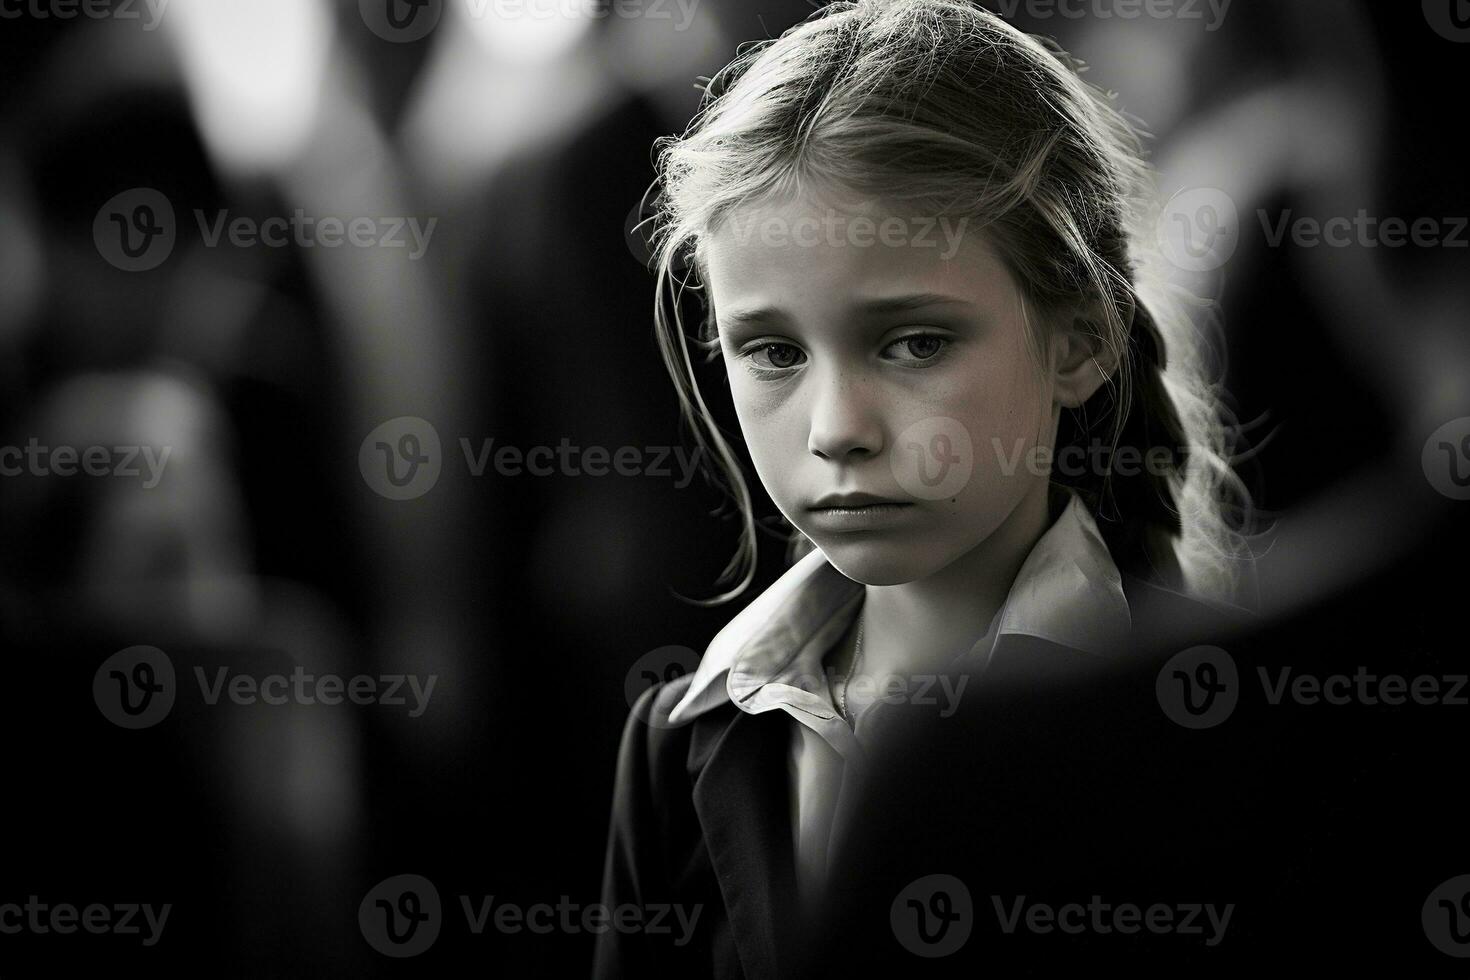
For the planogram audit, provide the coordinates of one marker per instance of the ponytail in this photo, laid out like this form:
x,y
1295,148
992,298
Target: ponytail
x,y
1135,505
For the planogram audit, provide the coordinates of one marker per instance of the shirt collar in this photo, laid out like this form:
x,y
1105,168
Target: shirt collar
x,y
1068,592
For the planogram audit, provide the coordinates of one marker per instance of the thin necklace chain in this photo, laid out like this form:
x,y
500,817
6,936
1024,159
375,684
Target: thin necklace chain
x,y
857,657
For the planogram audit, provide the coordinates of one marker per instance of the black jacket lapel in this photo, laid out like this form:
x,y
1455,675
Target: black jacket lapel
x,y
742,797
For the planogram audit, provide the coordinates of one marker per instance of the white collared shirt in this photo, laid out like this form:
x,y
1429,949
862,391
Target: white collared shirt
x,y
771,657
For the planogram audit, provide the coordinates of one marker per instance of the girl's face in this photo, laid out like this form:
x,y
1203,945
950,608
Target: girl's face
x,y
877,359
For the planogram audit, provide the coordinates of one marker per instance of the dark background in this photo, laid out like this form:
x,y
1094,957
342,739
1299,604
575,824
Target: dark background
x,y
532,599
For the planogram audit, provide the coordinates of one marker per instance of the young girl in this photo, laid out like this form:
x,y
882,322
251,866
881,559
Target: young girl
x,y
919,238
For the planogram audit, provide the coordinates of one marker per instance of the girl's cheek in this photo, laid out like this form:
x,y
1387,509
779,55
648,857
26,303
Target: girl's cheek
x,y
990,399
1003,418
764,407
767,421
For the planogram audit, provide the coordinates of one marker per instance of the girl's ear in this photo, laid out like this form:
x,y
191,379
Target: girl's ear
x,y
1081,362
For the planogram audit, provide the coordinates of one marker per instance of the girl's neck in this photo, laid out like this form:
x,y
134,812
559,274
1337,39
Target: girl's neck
x,y
919,627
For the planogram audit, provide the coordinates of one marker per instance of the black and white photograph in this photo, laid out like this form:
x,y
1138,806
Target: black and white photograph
x,y
734,489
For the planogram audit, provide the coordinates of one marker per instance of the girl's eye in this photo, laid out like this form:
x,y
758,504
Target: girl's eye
x,y
919,347
915,349
775,356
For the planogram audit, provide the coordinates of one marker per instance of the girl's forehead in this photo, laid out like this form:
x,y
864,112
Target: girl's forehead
x,y
819,252
825,199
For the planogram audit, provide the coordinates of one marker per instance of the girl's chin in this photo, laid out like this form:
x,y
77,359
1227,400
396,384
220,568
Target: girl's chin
x,y
875,561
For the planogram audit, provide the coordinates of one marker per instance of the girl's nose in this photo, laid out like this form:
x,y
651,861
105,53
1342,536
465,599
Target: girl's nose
x,y
844,423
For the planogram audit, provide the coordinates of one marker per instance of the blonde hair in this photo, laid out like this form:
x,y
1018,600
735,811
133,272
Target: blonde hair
x,y
940,103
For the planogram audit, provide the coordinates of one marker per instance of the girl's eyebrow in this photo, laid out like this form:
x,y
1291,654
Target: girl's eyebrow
x,y
886,304
910,301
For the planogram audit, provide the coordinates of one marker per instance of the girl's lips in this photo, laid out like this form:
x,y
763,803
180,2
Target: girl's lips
x,y
867,517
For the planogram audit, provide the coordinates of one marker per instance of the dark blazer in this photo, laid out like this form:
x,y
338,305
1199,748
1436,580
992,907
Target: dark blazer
x,y
701,817
702,812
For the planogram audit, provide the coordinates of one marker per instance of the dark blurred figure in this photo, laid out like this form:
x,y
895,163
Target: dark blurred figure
x,y
1312,832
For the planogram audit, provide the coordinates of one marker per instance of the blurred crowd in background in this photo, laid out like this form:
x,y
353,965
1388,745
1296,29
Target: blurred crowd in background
x,y
507,147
